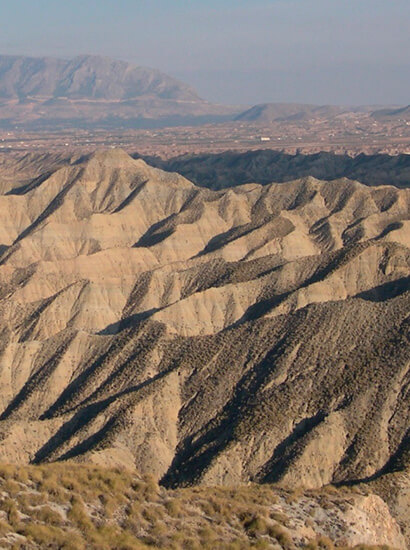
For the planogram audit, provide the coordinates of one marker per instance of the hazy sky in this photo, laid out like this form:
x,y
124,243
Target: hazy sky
x,y
242,51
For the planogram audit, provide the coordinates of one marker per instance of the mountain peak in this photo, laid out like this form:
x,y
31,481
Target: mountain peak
x,y
87,77
112,155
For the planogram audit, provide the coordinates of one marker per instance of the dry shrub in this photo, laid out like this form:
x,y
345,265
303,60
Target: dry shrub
x,y
255,526
11,487
109,503
174,508
153,513
9,506
4,528
36,473
321,543
283,537
293,496
10,471
79,515
51,484
207,535
31,499
47,515
279,517
47,536
324,543
110,536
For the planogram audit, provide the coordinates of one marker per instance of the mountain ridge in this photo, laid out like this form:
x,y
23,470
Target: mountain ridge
x,y
91,91
86,77
401,113
266,113
95,91
219,171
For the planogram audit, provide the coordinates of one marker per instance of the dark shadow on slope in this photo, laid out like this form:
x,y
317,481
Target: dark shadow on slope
x,y
128,322
386,291
73,387
336,260
52,206
67,430
91,441
264,166
287,449
398,462
195,453
152,237
225,238
83,417
132,364
36,182
130,197
391,227
259,309
34,382
83,380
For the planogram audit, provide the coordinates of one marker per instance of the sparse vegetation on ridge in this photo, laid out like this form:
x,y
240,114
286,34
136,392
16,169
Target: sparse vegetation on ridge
x,y
75,507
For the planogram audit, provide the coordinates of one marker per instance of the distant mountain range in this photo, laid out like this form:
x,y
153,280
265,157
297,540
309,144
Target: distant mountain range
x,y
92,91
96,91
86,77
266,113
402,113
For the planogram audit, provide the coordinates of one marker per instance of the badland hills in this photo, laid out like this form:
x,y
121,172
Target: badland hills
x,y
250,334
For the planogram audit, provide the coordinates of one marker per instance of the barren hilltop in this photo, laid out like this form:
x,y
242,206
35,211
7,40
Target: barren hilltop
x,y
252,334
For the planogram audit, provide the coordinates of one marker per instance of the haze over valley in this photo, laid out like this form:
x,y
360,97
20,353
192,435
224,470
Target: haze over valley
x,y
91,101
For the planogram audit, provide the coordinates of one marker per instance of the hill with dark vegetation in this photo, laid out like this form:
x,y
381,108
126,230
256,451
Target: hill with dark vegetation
x,y
266,113
231,168
402,113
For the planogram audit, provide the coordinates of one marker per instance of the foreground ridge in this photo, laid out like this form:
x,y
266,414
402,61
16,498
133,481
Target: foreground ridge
x,y
68,506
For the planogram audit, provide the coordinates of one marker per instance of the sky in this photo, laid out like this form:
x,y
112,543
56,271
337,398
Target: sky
x,y
236,52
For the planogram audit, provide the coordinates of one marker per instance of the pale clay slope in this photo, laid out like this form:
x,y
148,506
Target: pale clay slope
x,y
94,214
204,336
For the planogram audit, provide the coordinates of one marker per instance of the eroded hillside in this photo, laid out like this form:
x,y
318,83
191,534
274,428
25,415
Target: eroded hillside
x,y
257,333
